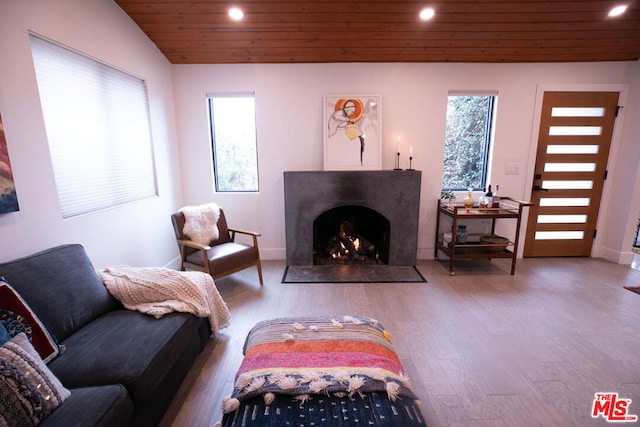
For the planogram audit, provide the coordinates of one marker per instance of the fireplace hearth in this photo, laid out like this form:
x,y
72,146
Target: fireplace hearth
x,y
380,208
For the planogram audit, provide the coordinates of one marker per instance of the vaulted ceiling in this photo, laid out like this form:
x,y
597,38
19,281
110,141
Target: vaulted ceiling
x,y
322,31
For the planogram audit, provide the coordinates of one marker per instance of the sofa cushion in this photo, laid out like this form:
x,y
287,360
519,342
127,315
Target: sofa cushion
x,y
103,406
16,316
29,390
60,285
129,348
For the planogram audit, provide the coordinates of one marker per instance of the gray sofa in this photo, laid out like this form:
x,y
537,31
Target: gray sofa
x,y
122,367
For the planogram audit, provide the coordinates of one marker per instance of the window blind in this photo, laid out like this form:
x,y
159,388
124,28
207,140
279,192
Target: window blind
x,y
97,123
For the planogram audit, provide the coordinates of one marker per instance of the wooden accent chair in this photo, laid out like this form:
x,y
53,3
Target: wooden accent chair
x,y
220,257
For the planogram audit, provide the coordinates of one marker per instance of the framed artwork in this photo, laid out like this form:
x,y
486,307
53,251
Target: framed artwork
x,y
8,197
352,132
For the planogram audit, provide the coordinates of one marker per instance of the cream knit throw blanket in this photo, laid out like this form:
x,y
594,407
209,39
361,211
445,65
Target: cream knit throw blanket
x,y
158,291
201,222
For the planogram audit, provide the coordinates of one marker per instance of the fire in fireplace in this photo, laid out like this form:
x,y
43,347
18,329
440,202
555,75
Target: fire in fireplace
x,y
351,235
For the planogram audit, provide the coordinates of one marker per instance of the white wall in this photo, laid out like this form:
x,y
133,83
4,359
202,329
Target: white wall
x,y
622,209
289,109
136,234
414,96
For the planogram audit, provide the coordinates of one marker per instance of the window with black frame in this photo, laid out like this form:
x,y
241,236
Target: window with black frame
x,y
234,141
469,134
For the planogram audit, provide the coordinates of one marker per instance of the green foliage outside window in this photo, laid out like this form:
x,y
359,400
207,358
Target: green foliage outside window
x,y
233,133
466,154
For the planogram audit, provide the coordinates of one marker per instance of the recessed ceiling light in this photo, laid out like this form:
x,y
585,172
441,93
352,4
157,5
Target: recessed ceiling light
x,y
236,14
618,10
427,13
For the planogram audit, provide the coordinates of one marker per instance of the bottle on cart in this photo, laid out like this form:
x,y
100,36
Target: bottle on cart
x,y
461,234
483,202
489,196
468,201
496,198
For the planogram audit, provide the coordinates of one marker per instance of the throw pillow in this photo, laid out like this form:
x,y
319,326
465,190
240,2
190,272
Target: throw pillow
x,y
4,335
29,390
17,317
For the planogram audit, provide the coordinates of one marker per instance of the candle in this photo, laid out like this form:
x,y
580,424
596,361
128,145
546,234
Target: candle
x,y
411,151
397,144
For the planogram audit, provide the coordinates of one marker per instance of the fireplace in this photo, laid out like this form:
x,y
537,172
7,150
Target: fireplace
x,y
380,206
348,235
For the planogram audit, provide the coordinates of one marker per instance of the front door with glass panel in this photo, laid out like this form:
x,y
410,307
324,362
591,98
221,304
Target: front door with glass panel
x,y
573,148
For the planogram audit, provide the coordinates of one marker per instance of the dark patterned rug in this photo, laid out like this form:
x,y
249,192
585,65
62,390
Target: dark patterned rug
x,y
635,289
352,274
368,410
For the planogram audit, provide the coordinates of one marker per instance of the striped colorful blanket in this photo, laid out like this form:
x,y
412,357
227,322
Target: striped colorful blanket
x,y
308,356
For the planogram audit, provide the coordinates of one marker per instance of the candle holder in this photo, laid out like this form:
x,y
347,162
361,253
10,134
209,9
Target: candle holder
x,y
397,168
410,160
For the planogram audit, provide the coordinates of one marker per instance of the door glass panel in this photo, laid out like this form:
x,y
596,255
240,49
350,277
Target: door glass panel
x,y
577,112
562,219
565,201
575,130
572,149
559,235
567,185
569,167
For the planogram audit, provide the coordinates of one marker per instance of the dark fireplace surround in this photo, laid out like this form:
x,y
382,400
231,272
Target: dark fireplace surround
x,y
393,194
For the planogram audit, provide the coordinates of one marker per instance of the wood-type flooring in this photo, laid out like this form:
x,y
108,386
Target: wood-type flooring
x,y
482,348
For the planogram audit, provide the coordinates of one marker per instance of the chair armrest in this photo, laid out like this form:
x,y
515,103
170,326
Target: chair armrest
x,y
194,245
250,233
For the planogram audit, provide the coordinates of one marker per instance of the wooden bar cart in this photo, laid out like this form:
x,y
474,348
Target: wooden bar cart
x,y
445,240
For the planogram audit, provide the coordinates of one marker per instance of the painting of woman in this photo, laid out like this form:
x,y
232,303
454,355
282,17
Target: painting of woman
x,y
352,119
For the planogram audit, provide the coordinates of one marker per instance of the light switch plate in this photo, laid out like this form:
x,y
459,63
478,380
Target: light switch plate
x,y
512,168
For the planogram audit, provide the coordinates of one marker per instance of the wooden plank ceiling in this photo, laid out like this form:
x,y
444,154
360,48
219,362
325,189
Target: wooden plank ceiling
x,y
322,31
